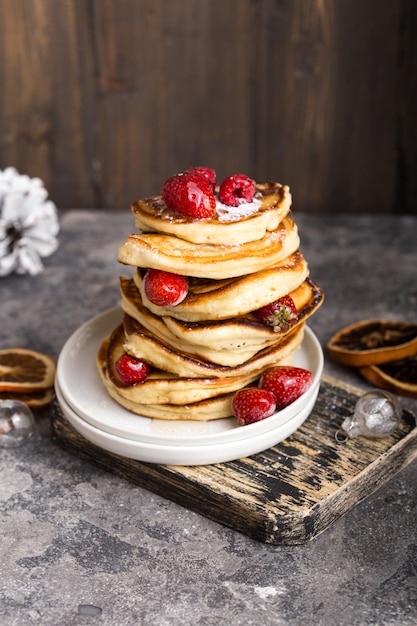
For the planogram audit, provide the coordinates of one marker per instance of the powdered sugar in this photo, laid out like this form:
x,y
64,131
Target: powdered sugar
x,y
225,213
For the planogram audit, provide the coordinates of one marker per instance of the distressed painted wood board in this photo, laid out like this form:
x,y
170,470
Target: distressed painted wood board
x,y
287,494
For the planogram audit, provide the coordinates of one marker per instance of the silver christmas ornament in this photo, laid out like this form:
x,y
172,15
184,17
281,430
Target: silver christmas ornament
x,y
377,414
17,423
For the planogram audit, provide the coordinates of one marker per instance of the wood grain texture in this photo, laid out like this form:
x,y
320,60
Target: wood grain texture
x,y
104,100
406,152
48,101
285,495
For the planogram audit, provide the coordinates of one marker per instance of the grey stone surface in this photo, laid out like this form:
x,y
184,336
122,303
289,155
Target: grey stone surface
x,y
80,546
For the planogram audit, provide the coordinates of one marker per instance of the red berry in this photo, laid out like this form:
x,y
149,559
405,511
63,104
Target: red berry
x,y
237,189
280,314
286,382
252,405
164,288
132,371
206,172
190,195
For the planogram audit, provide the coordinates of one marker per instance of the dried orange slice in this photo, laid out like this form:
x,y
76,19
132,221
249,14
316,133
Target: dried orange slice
x,y
36,399
372,342
398,376
25,371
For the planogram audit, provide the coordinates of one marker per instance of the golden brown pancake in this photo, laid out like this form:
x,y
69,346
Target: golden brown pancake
x,y
203,411
227,342
171,254
165,396
229,226
230,333
143,344
211,300
162,387
212,343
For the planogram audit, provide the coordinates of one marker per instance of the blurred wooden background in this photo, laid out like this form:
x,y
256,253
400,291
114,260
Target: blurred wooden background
x,y
105,99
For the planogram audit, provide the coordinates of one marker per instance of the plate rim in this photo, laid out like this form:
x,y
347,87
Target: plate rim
x,y
185,455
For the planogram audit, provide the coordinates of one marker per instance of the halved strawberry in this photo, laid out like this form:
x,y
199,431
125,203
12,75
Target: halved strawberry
x,y
286,382
130,370
164,288
280,314
237,189
190,195
252,404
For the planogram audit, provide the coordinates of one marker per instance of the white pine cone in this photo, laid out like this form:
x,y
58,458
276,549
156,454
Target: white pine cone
x,y
28,223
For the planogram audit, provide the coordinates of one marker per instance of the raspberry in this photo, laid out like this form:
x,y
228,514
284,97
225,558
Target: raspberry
x,y
132,371
164,288
252,404
205,172
237,189
190,195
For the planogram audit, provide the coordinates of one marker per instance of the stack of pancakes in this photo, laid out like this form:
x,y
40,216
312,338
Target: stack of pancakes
x,y
211,344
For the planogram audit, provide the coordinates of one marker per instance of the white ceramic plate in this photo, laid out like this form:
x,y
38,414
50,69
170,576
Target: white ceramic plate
x,y
83,391
177,454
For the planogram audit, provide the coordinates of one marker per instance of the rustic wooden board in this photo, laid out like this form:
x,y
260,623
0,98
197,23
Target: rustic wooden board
x,y
285,495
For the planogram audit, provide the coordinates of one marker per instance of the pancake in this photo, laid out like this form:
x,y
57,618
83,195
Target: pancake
x,y
162,387
173,398
216,300
209,351
169,253
227,342
230,333
229,226
203,411
210,345
143,344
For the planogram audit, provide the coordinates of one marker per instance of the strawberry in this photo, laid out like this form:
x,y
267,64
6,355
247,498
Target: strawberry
x,y
207,173
252,404
286,382
281,314
131,370
190,195
164,288
236,189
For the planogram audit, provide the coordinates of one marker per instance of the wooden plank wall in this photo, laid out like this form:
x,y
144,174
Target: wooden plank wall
x,y
104,100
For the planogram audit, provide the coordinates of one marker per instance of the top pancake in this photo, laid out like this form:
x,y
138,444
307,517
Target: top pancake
x,y
229,226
